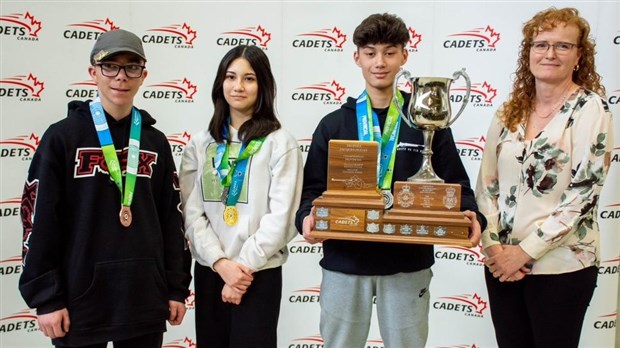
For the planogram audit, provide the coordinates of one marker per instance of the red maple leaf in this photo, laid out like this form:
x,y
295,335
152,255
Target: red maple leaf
x,y
35,25
35,138
109,22
338,91
481,305
190,34
493,36
190,89
415,39
264,36
339,37
37,87
189,342
490,92
186,136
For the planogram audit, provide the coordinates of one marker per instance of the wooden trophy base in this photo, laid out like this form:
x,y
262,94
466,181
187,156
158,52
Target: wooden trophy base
x,y
361,216
353,208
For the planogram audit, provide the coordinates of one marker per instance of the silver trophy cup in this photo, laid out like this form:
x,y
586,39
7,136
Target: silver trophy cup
x,y
429,110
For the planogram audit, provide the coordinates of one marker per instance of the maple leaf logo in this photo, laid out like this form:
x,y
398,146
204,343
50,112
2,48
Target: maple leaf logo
x,y
110,24
190,89
35,25
490,92
339,37
493,36
26,20
190,34
37,86
264,36
338,91
480,305
415,39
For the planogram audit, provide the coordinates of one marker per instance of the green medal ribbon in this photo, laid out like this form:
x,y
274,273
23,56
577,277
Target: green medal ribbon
x,y
109,152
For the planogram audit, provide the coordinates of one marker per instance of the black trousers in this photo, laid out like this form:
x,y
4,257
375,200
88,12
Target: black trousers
x,y
541,311
147,341
251,324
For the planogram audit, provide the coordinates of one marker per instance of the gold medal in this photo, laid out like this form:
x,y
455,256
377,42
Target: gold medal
x,y
231,215
125,216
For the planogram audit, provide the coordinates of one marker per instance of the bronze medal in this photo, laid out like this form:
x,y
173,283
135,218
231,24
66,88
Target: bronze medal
x,y
231,215
125,216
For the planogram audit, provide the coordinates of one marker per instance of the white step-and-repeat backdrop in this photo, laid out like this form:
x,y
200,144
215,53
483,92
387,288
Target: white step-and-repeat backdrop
x,y
45,47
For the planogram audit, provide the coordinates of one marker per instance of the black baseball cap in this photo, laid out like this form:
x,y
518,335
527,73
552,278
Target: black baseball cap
x,y
116,41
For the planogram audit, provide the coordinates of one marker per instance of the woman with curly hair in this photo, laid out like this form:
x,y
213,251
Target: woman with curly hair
x,y
546,157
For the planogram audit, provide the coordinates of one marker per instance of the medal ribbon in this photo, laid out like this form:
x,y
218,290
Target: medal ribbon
x,y
109,152
387,140
233,176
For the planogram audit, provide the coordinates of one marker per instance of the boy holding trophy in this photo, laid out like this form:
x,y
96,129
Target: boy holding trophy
x,y
353,271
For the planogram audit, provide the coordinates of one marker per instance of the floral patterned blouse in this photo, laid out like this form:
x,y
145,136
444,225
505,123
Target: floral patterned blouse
x,y
542,194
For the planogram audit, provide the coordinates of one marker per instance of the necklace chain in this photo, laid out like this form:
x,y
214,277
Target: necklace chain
x,y
565,95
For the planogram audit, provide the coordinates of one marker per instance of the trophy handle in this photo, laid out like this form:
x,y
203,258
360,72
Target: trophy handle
x,y
407,75
457,74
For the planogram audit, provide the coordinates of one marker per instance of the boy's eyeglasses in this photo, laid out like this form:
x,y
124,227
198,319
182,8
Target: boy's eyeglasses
x,y
112,70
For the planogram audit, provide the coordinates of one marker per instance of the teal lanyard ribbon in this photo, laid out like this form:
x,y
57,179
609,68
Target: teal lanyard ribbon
x,y
109,152
232,176
368,129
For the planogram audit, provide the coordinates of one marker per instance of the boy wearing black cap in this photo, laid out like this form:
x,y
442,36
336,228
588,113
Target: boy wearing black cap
x,y
104,254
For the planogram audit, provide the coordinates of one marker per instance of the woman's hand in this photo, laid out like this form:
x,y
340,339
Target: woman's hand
x,y
509,263
234,274
230,295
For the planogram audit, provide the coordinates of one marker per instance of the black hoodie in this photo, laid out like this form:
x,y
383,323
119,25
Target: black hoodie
x,y
375,258
115,281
